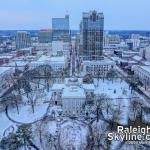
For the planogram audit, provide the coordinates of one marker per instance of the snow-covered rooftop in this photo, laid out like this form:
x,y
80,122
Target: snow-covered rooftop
x,y
146,63
137,58
73,92
58,86
5,56
4,69
89,86
105,61
57,59
146,68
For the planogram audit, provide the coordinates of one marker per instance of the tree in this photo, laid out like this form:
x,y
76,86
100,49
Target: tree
x,y
136,108
99,75
24,134
12,100
88,79
11,142
99,130
111,74
102,104
116,115
33,96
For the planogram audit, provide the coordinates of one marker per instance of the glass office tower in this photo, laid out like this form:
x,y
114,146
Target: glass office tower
x,y
61,29
91,29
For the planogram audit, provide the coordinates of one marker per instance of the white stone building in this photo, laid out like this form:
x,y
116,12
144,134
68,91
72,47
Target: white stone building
x,y
43,46
97,68
143,72
72,95
58,63
61,47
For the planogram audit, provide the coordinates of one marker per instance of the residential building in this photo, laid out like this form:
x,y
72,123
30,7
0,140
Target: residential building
x,y
22,39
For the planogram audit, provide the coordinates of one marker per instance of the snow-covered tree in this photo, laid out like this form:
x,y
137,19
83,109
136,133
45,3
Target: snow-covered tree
x,y
11,142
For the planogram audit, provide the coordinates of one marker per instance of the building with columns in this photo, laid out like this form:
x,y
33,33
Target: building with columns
x,y
72,95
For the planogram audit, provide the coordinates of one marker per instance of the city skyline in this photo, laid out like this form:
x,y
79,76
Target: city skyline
x,y
29,14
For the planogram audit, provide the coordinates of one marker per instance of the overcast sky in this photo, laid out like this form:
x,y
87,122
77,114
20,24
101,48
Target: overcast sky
x,y
37,14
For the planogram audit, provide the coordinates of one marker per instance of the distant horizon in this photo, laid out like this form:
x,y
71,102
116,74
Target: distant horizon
x,y
73,30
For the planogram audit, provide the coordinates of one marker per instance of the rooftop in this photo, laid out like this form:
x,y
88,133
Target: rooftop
x,y
4,69
57,59
146,68
58,86
89,86
137,58
73,92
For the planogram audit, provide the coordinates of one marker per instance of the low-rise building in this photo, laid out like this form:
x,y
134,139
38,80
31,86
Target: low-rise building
x,y
143,73
43,46
61,46
58,63
97,68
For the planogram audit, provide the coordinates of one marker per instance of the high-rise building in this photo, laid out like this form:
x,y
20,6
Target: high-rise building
x,y
61,29
91,28
45,36
22,39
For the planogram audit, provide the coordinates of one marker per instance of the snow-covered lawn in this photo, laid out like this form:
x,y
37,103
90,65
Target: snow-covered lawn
x,y
118,91
26,115
5,123
70,133
73,133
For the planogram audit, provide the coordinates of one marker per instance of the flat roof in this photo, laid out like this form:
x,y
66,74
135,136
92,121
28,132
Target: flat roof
x,y
58,86
57,59
4,69
73,92
146,68
138,58
89,86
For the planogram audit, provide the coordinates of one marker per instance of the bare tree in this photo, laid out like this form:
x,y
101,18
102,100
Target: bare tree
x,y
99,134
32,97
88,78
102,103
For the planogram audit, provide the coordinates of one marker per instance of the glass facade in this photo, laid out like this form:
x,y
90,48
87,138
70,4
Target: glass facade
x,y
92,27
60,27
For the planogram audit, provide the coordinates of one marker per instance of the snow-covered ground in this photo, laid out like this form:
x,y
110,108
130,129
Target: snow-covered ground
x,y
119,92
26,115
71,133
5,123
74,133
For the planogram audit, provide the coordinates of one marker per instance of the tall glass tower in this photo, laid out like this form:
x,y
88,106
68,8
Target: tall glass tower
x,y
60,29
91,30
